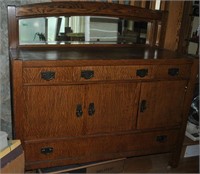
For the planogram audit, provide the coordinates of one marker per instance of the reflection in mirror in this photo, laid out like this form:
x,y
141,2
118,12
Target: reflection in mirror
x,y
81,30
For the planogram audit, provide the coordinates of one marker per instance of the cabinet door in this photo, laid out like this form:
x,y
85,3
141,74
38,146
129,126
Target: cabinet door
x,y
50,111
114,107
161,104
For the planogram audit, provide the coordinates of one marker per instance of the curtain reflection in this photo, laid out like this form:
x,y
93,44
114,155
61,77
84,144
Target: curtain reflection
x,y
81,29
77,24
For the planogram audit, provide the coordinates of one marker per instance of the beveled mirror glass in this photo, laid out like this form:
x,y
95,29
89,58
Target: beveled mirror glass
x,y
81,30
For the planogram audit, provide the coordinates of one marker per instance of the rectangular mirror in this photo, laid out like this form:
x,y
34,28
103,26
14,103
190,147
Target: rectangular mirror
x,y
81,30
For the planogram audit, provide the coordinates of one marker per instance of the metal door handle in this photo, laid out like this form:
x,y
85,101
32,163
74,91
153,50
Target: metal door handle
x,y
173,71
161,138
143,105
91,109
47,150
142,72
87,74
79,111
48,75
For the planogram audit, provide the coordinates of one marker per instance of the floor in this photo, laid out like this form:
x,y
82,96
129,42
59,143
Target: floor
x,y
159,164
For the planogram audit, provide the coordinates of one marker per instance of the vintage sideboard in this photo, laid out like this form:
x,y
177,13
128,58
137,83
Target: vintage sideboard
x,y
82,103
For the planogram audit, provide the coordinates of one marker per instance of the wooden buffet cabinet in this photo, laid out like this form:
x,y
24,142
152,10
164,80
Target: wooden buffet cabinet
x,y
75,104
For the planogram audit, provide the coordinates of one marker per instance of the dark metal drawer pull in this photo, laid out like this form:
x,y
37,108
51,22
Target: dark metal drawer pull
x,y
47,150
79,111
161,138
142,72
173,71
48,75
91,109
87,74
143,105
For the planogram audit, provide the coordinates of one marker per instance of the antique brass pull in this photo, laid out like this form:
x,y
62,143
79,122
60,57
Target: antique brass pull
x,y
79,111
161,138
48,75
87,74
143,105
173,71
91,109
47,150
142,72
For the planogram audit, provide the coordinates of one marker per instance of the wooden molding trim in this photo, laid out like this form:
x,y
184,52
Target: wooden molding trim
x,y
87,8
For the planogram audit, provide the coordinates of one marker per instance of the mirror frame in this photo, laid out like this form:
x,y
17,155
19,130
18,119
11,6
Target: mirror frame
x,y
85,8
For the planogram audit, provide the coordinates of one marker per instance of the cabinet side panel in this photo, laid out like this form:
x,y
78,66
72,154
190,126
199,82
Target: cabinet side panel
x,y
17,99
186,106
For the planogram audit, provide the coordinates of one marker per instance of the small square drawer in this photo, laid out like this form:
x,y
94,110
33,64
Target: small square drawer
x,y
173,71
47,75
97,73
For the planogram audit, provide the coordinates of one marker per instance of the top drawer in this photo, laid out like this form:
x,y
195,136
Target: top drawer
x,y
96,73
47,75
173,71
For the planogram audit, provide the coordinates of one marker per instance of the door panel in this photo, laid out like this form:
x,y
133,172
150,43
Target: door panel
x,y
161,104
115,107
50,111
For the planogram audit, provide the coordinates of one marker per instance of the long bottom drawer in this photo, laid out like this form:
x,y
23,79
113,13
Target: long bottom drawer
x,y
68,151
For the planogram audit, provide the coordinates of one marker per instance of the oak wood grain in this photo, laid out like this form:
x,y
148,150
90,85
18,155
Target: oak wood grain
x,y
101,53
183,71
45,112
164,104
87,8
17,100
12,28
113,72
173,25
34,75
101,148
50,111
194,78
115,107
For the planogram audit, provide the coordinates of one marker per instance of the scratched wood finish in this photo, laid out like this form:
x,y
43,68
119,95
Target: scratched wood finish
x,y
164,104
87,8
50,112
87,148
115,107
